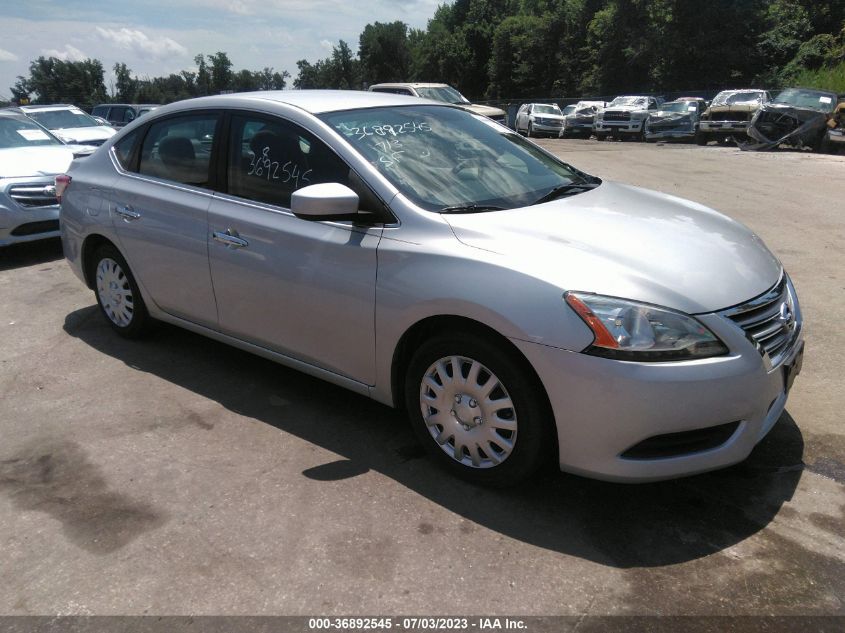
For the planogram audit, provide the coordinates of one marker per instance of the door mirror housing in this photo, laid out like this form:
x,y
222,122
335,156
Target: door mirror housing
x,y
325,201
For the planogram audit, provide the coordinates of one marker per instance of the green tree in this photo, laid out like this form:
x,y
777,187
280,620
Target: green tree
x,y
58,81
384,53
125,85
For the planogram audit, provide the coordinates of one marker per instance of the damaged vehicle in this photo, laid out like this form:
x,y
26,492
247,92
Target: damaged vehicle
x,y
797,117
625,117
729,114
677,119
581,121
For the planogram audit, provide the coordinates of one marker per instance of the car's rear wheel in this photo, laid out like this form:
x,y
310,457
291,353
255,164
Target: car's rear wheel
x,y
701,139
117,293
477,409
601,137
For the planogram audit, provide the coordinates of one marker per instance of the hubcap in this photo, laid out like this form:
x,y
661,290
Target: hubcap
x,y
468,412
114,292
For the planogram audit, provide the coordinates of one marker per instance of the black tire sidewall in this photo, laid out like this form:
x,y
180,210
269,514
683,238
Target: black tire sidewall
x,y
534,429
140,317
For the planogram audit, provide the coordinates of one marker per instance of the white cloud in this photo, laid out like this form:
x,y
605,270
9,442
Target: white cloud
x,y
139,42
6,56
69,54
326,44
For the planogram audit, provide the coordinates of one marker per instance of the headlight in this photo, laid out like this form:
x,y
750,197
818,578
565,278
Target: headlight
x,y
626,330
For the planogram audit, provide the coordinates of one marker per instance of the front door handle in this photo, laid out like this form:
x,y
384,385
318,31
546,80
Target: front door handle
x,y
230,238
127,212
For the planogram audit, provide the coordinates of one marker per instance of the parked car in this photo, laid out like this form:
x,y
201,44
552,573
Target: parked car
x,y
677,119
517,307
582,120
729,114
624,117
443,93
68,122
536,119
797,117
119,114
30,159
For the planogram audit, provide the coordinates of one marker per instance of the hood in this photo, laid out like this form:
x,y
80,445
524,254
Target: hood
x,y
34,161
666,115
553,117
83,134
483,110
736,107
629,242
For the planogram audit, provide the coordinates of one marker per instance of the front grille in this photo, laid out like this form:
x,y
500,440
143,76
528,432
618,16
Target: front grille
x,y
584,119
34,195
617,116
33,228
499,118
683,443
769,321
95,142
731,116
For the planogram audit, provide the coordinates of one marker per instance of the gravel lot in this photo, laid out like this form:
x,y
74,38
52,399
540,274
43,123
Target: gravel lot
x,y
179,476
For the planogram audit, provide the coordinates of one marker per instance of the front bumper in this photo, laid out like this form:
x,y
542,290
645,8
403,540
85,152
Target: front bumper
x,y
678,132
836,135
542,128
724,127
26,224
605,407
619,127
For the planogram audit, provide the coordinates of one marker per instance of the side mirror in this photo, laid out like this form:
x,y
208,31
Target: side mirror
x,y
325,201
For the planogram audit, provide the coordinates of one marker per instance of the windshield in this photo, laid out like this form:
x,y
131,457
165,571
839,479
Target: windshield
x,y
639,102
446,94
813,99
446,157
732,98
63,119
678,106
15,132
542,108
569,109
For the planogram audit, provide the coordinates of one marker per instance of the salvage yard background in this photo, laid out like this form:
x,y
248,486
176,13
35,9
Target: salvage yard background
x,y
176,475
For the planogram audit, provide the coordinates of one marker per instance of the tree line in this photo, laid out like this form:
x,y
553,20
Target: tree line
x,y
516,49
501,49
53,80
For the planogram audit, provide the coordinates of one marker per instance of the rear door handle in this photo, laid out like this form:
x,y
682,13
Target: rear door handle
x,y
230,238
127,212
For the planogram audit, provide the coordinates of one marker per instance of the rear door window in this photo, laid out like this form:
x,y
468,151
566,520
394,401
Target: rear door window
x,y
179,149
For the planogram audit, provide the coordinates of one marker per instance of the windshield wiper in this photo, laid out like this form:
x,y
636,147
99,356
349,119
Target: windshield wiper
x,y
471,208
568,189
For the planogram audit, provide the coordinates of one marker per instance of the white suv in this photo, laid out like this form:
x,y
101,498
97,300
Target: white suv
x,y
444,93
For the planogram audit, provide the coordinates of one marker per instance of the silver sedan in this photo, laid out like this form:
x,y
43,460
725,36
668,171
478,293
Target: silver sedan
x,y
519,309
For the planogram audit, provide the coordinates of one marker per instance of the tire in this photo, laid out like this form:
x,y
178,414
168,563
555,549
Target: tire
x,y
117,293
701,139
823,145
477,441
601,137
530,131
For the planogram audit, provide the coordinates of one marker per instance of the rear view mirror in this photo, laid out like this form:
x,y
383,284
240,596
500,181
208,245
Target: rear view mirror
x,y
325,201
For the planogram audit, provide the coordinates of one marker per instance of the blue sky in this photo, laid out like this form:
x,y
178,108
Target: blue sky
x,y
156,37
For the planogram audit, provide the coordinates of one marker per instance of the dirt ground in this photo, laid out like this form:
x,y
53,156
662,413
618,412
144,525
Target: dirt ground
x,y
179,476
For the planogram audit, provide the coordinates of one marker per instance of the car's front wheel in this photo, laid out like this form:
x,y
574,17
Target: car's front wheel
x,y
477,409
117,293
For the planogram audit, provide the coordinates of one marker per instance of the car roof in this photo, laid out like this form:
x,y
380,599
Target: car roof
x,y
313,101
411,84
128,105
45,108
